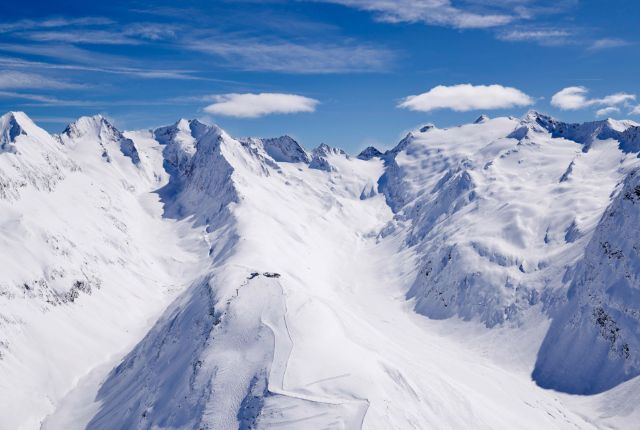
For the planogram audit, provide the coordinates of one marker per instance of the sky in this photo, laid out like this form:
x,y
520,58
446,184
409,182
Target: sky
x,y
349,73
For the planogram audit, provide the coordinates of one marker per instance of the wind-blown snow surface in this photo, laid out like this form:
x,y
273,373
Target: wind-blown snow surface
x,y
288,275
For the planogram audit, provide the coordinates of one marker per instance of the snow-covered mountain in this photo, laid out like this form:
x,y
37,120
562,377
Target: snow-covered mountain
x,y
181,278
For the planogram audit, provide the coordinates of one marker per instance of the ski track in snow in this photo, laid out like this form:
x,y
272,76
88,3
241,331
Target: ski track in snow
x,y
206,336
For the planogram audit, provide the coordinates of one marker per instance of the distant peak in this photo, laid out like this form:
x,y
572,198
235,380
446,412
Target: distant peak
x,y
481,119
15,124
183,130
184,123
283,138
17,119
319,157
285,148
541,119
620,125
10,129
369,152
324,149
427,127
16,116
90,126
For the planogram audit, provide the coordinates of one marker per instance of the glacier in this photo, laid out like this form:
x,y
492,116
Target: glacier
x,y
479,276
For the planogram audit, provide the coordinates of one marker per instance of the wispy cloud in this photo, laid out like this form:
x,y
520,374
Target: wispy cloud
x,y
93,37
42,100
279,55
433,12
608,43
45,100
24,80
466,97
543,36
129,34
256,105
575,98
29,24
63,52
141,72
289,50
509,20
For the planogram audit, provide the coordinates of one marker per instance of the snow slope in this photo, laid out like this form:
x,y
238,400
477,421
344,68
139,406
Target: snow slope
x,y
499,209
603,311
86,261
247,284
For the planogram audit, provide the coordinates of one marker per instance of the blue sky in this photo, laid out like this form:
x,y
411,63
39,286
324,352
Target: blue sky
x,y
341,69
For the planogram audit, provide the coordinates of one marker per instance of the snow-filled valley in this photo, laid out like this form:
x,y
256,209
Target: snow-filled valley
x,y
483,276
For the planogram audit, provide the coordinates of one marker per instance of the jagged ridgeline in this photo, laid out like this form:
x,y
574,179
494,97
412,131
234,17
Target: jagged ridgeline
x,y
183,278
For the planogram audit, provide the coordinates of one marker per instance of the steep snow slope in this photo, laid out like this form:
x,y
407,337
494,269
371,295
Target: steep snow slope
x,y
290,277
86,259
603,312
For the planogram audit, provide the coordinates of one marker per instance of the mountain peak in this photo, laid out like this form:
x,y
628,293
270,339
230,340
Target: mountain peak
x,y
324,149
481,119
369,152
535,116
193,127
10,128
184,131
97,129
285,149
319,156
14,124
90,126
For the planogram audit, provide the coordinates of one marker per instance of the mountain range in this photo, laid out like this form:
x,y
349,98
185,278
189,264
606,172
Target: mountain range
x,y
482,276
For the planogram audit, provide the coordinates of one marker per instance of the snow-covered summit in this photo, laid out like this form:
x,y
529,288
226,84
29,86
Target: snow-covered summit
x,y
16,124
284,149
10,129
322,155
92,130
184,131
180,140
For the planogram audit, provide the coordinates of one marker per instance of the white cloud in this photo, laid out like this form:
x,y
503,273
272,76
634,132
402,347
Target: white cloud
x,y
466,97
608,43
607,111
571,98
574,98
22,80
635,110
616,99
434,12
256,105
